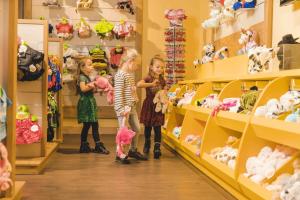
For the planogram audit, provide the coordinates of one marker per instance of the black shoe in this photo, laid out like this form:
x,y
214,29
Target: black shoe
x,y
147,146
124,161
100,148
85,148
157,151
137,155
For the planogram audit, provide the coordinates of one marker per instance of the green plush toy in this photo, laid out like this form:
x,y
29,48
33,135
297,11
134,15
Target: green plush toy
x,y
248,101
104,28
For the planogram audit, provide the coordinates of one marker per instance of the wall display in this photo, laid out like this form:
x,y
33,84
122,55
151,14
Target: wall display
x,y
83,28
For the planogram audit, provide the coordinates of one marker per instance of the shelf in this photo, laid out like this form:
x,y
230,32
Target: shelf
x,y
253,190
173,139
190,150
179,110
278,131
221,170
233,121
17,193
202,113
36,165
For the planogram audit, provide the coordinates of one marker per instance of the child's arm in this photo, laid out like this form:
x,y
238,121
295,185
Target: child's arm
x,y
119,94
143,84
86,87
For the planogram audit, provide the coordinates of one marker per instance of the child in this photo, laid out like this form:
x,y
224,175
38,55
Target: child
x,y
87,109
125,95
153,83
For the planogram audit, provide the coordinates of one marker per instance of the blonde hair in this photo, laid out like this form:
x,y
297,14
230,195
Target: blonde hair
x,y
129,54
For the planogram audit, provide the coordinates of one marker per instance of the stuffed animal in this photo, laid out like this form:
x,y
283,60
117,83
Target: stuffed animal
x,y
126,5
228,11
64,29
221,54
175,17
103,84
161,101
187,98
214,20
51,3
177,132
244,4
84,29
261,59
104,28
248,40
211,101
124,138
294,117
209,52
85,4
248,101
5,169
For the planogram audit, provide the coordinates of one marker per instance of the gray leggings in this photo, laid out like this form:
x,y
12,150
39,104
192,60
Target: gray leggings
x,y
133,121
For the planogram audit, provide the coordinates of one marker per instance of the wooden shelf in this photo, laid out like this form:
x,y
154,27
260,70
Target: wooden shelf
x,y
17,193
233,121
190,150
202,113
36,165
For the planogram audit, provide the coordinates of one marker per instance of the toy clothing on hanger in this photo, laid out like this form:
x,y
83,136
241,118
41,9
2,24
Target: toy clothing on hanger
x,y
4,103
54,75
84,29
115,56
98,56
30,63
104,28
52,117
123,29
64,29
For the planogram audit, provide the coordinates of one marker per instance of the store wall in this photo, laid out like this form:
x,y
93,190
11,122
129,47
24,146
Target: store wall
x,y
3,42
285,20
154,25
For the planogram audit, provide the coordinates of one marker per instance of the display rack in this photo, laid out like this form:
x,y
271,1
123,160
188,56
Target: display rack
x,y
55,47
252,132
8,77
32,158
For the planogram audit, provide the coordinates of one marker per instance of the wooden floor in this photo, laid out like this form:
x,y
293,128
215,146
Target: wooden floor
x,y
73,176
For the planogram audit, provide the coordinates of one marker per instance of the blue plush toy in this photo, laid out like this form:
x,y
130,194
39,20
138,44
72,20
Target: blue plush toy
x,y
237,5
294,117
244,4
249,4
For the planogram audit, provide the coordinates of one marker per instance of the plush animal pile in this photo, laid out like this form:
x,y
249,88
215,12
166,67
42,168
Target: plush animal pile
x,y
275,107
263,166
210,101
161,101
287,186
226,154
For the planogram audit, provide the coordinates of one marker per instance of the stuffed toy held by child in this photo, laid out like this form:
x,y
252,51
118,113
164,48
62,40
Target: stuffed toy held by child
x,y
104,85
124,138
126,5
64,29
161,101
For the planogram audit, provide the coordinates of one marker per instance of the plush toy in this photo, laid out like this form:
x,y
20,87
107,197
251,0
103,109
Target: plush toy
x,y
221,54
64,29
104,28
248,40
187,98
209,52
84,29
228,104
211,101
244,4
214,20
161,101
175,17
261,59
5,169
85,4
228,11
115,56
123,139
248,101
103,84
177,132
126,5
294,117
51,3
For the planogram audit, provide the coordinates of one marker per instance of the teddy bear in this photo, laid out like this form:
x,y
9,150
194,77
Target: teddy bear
x,y
64,29
214,20
209,52
187,98
104,85
84,4
221,54
5,169
126,5
124,138
161,101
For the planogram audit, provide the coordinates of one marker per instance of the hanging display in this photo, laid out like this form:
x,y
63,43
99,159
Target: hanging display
x,y
126,5
175,46
64,29
84,29
104,29
123,30
30,63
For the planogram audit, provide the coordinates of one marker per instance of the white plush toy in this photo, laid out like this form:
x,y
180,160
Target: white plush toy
x,y
211,101
228,11
214,20
292,192
221,54
209,52
261,59
187,98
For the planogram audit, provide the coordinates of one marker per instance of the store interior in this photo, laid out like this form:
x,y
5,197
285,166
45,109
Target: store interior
x,y
230,99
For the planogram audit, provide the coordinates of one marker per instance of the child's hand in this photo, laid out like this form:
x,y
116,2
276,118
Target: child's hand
x,y
155,83
91,85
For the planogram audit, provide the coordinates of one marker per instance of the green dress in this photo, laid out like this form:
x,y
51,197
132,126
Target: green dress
x,y
87,106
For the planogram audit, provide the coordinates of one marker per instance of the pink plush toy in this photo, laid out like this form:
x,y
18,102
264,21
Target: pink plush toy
x,y
5,169
103,84
123,140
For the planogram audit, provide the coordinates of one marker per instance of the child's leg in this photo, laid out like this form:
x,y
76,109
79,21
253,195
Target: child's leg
x,y
157,140
135,126
84,146
99,146
147,134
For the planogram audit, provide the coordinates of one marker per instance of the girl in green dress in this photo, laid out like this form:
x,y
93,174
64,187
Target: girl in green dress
x,y
87,109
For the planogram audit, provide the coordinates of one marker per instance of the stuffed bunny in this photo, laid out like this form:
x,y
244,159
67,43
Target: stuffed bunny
x,y
161,101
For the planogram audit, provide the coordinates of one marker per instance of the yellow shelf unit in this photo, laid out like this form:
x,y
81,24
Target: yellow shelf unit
x,y
55,47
